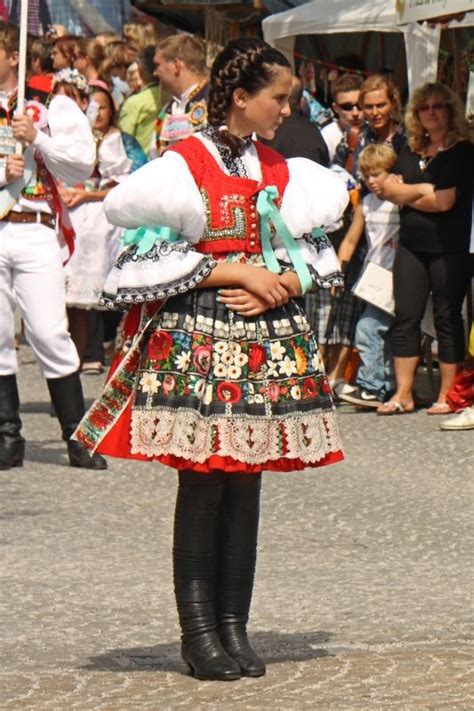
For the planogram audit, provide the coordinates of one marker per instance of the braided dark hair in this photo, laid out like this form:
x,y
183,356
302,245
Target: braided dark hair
x,y
246,63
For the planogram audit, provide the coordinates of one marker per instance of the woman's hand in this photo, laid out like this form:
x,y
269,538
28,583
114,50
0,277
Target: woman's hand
x,y
243,302
383,187
73,197
264,284
291,282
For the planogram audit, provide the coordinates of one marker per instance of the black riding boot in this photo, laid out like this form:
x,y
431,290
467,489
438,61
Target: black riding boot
x,y
237,535
12,444
194,558
68,401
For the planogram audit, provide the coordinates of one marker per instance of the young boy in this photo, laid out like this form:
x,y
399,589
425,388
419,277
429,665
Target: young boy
x,y
380,220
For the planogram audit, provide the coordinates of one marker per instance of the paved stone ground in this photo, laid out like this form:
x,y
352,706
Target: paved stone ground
x,y
364,586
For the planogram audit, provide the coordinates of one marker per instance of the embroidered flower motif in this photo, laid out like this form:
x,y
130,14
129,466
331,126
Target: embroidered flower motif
x,y
317,361
200,389
220,347
202,359
207,397
310,389
257,357
277,350
241,359
235,348
234,372
160,345
287,366
227,358
325,387
258,399
150,383
229,392
301,361
168,383
273,391
183,360
220,370
295,392
272,369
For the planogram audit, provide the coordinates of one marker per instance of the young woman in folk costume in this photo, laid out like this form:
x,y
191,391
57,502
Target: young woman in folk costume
x,y
226,376
98,242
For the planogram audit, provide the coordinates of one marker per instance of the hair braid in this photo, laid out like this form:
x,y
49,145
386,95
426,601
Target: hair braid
x,y
246,63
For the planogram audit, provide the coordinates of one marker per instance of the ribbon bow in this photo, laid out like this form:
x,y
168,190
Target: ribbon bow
x,y
270,214
147,237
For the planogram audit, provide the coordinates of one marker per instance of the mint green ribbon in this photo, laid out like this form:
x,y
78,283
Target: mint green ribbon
x,y
270,214
147,237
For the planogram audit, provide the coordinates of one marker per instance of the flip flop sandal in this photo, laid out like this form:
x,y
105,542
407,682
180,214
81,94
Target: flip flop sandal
x,y
439,408
393,407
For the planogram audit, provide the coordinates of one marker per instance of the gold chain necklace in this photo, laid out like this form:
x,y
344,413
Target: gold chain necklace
x,y
425,160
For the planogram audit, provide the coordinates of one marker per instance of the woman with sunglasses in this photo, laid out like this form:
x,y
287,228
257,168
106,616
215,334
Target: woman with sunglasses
x,y
434,239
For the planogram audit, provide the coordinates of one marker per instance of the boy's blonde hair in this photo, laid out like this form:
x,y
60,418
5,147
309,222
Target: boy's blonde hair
x,y
377,156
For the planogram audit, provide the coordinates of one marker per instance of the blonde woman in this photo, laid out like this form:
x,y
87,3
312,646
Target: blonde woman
x,y
434,238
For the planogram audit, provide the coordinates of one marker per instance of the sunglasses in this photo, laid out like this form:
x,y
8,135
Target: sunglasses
x,y
347,106
431,107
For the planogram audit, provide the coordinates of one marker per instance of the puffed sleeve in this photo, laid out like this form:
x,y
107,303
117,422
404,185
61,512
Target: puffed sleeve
x,y
114,164
162,192
163,197
314,199
69,151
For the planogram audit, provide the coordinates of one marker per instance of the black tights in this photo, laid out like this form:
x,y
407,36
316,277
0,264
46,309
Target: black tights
x,y
216,478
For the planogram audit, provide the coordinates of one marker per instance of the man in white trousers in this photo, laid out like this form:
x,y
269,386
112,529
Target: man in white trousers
x,y
31,270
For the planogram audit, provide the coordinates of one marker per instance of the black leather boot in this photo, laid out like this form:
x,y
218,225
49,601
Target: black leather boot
x,y
194,558
12,444
68,402
238,531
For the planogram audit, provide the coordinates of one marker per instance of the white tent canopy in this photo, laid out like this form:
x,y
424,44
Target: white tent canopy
x,y
339,16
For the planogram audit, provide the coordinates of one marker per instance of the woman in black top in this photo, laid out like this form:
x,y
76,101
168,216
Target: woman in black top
x,y
434,238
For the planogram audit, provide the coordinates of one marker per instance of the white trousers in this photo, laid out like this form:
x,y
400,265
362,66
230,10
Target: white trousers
x,y
32,275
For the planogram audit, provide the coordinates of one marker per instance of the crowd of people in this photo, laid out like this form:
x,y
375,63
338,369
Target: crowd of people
x,y
238,322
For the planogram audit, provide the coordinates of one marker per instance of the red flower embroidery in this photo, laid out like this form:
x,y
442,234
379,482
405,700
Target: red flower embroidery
x,y
310,389
325,387
257,357
229,392
273,391
202,359
160,345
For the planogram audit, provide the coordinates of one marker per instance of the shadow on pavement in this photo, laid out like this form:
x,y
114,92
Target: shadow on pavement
x,y
275,647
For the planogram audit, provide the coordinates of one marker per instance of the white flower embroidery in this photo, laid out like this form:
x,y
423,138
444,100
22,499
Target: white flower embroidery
x,y
277,350
150,383
207,397
227,358
235,348
287,366
220,347
258,399
317,362
272,369
233,372
183,360
295,392
220,370
200,388
241,359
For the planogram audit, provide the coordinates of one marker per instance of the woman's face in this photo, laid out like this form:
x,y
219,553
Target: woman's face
x,y
60,61
264,111
377,109
104,114
433,115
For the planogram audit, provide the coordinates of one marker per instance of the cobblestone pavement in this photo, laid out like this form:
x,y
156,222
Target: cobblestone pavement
x,y
364,585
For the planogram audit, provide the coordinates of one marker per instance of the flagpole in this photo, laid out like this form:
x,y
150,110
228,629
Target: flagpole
x,y
22,62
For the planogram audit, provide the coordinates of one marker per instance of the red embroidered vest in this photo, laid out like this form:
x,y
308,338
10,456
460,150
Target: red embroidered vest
x,y
232,223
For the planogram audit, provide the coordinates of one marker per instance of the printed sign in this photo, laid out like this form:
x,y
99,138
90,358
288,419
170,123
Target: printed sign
x,y
415,10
